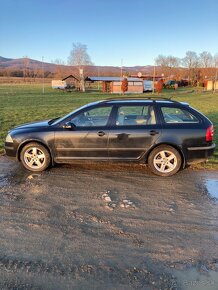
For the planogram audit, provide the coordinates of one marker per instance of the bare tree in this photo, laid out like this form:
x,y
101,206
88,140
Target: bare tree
x,y
173,61
80,58
205,59
215,64
26,63
215,60
35,71
191,61
161,60
168,64
205,63
59,68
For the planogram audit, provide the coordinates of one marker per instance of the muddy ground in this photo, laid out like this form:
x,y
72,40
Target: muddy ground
x,y
105,227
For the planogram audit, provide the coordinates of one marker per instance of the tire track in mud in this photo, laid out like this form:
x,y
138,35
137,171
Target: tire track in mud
x,y
55,226
85,220
118,231
137,277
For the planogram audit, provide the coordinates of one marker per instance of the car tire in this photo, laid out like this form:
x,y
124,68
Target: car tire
x,y
164,160
35,157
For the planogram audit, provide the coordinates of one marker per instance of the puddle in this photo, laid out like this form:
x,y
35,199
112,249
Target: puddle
x,y
22,176
3,180
17,178
112,204
212,188
194,279
33,176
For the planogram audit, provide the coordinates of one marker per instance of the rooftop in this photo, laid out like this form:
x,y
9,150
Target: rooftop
x,y
112,79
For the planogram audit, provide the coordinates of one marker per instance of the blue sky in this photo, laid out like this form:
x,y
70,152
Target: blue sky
x,y
135,31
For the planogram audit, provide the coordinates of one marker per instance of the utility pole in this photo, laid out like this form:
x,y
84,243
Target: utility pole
x,y
43,76
215,81
98,77
153,78
121,75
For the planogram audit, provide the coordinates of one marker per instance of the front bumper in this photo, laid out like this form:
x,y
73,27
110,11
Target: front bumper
x,y
199,154
10,150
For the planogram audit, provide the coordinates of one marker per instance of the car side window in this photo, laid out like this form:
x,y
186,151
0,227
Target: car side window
x,y
178,115
135,116
92,118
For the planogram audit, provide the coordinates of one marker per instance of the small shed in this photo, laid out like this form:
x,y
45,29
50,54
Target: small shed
x,y
71,81
58,84
113,84
212,85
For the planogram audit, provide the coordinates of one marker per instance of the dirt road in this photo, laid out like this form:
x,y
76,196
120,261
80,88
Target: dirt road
x,y
107,227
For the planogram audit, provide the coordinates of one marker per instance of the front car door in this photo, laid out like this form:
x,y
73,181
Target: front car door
x,y
88,137
134,130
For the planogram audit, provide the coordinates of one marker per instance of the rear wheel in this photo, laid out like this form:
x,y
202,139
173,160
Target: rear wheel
x,y
164,160
35,157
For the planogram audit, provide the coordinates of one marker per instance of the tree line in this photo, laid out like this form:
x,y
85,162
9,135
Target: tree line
x,y
194,67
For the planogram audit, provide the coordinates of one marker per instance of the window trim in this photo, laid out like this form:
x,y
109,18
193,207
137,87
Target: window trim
x,y
82,128
188,109
115,112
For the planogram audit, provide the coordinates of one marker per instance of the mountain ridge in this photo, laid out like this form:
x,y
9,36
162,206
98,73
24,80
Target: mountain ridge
x,y
31,64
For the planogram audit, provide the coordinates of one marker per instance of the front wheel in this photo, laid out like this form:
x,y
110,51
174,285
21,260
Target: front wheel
x,y
35,157
164,160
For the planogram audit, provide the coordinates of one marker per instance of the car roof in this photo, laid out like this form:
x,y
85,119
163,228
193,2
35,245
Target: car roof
x,y
130,100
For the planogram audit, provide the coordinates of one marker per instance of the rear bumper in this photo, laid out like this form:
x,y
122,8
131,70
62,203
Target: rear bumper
x,y
199,154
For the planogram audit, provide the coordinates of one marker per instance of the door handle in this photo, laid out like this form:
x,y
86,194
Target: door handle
x,y
153,132
101,133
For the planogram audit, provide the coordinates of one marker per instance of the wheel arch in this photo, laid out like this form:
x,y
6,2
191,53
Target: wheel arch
x,y
33,141
168,144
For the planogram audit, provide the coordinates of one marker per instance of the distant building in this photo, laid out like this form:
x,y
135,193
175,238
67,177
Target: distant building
x,y
212,85
148,77
58,84
71,81
113,84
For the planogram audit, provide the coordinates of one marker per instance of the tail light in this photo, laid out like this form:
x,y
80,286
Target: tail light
x,y
209,133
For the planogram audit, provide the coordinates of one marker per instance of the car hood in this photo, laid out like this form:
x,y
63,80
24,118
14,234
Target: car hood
x,y
39,124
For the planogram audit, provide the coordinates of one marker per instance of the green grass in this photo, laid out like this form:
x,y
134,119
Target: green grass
x,y
24,103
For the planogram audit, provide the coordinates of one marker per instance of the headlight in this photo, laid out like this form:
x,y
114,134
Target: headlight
x,y
9,139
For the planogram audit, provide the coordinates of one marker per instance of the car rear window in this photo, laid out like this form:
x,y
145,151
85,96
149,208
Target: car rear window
x,y
178,115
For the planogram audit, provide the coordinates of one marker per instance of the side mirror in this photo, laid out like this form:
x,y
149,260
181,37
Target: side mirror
x,y
69,125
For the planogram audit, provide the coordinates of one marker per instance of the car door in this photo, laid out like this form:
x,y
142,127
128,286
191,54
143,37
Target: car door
x,y
183,126
135,129
88,136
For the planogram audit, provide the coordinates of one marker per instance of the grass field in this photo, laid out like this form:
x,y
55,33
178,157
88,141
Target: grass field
x,y
23,103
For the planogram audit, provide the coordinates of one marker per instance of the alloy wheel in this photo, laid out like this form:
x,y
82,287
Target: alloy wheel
x,y
34,158
165,161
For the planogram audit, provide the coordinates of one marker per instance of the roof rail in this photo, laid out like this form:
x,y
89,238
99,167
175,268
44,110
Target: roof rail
x,y
141,98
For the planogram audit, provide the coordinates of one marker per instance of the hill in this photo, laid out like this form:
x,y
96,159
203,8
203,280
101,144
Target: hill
x,y
3,59
31,65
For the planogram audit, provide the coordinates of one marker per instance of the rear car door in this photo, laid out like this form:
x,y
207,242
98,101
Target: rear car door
x,y
134,130
183,127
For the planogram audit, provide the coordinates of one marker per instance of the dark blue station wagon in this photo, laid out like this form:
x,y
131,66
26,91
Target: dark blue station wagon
x,y
165,134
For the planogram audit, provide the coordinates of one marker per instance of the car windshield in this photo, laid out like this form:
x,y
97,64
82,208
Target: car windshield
x,y
53,120
59,120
